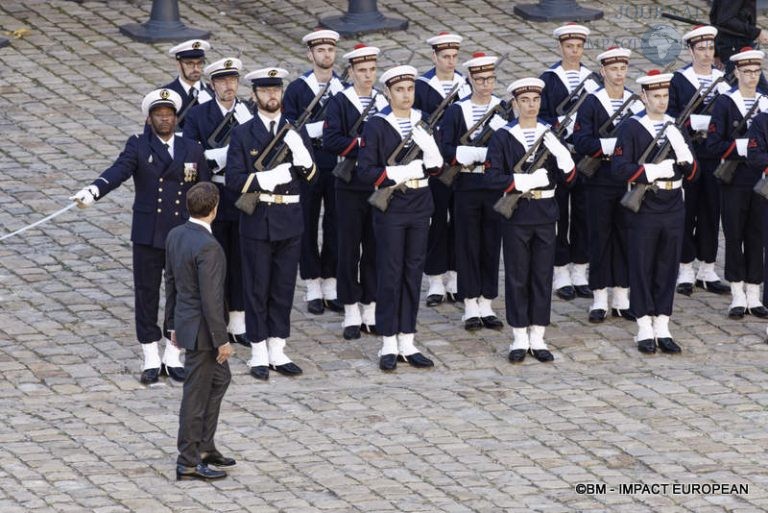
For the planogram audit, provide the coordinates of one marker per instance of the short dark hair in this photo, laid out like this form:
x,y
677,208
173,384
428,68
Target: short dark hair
x,y
202,198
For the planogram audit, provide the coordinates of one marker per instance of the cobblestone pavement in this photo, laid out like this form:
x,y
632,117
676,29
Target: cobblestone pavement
x,y
476,434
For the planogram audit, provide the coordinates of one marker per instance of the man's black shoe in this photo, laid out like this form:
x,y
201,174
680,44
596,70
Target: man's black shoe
x,y
583,291
647,346
542,355
388,362
685,289
667,345
239,339
149,376
624,314
517,355
737,312
434,299
758,311
260,372
175,373
492,323
716,287
473,324
566,293
218,460
351,332
201,471
334,305
315,306
288,369
451,297
418,360
597,315
368,328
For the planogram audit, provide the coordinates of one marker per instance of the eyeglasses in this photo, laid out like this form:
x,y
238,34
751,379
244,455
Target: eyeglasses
x,y
750,72
484,80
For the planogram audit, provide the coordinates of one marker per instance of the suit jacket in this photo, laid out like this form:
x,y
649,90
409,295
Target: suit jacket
x,y
195,273
161,183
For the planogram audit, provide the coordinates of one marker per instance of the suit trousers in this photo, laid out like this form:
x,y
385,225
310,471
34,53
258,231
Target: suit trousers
x,y
702,216
478,243
572,245
529,255
148,265
440,249
319,262
607,230
204,388
269,282
356,269
743,230
654,242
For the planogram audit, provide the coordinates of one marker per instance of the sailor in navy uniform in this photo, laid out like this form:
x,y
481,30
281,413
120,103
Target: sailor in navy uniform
x,y
569,78
655,232
356,268
742,208
270,237
757,158
606,219
163,167
190,59
702,196
477,228
528,237
401,231
202,122
431,88
317,266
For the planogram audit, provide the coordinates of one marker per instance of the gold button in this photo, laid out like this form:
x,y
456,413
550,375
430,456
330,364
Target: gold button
x,y
159,210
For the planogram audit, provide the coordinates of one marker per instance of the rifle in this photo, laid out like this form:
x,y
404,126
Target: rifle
x,y
577,93
382,197
633,198
695,102
507,204
343,170
727,167
220,136
589,164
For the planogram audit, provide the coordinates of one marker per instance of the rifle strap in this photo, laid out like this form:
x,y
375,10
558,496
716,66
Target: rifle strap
x,y
248,183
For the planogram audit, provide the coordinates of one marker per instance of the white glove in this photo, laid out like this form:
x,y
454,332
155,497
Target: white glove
x,y
85,196
315,130
525,182
700,122
400,174
663,170
218,155
560,152
432,156
268,180
497,122
607,145
682,151
468,155
741,147
301,156
569,126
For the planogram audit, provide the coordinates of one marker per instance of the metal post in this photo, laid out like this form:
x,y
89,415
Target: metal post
x,y
164,25
4,41
557,10
362,16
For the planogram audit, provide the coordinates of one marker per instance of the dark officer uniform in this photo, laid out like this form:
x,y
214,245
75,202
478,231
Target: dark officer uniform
x,y
356,268
197,93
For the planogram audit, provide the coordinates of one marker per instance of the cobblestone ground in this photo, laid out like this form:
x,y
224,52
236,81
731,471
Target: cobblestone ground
x,y
476,434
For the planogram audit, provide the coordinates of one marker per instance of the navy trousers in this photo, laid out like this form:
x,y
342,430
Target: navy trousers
x,y
478,243
607,229
148,265
743,230
572,241
440,253
319,261
356,269
702,216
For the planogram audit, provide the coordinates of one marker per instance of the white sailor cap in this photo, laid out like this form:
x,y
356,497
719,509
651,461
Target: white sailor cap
x,y
655,79
267,77
613,55
526,85
445,41
362,53
571,30
480,62
700,33
159,97
192,49
748,56
320,37
397,74
224,67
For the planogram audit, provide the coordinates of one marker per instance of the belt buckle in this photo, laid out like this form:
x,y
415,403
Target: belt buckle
x,y
667,186
411,184
278,199
536,194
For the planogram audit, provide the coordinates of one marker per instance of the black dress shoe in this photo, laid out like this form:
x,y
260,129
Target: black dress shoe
x,y
175,373
597,315
388,362
434,299
716,287
239,339
315,306
287,369
583,291
624,314
492,323
758,311
351,332
566,293
737,312
517,355
201,471
667,345
260,372
542,355
368,328
685,289
473,324
419,360
149,376
647,346
218,460
334,305
451,297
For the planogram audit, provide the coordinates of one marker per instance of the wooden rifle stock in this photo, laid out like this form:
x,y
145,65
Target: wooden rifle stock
x,y
507,204
633,198
343,170
727,167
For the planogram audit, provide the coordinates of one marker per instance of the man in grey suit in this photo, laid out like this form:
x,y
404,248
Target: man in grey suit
x,y
195,313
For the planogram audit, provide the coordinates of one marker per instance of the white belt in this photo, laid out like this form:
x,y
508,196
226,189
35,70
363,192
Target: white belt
x,y
474,169
218,179
417,183
667,185
278,199
541,194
